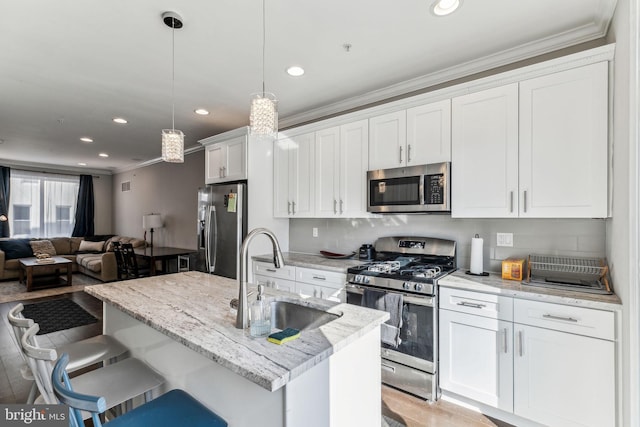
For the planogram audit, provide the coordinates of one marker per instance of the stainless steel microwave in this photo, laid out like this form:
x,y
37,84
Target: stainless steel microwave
x,y
423,188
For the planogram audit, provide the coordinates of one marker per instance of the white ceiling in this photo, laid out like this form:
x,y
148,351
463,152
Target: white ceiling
x,y
67,67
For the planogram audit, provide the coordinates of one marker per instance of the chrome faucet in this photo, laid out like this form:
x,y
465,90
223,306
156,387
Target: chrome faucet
x,y
242,319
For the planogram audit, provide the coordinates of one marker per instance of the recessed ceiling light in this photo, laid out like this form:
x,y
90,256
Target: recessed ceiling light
x,y
201,112
103,155
86,139
445,7
82,164
295,71
120,120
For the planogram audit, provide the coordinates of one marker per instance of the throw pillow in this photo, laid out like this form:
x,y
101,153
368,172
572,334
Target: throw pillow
x,y
43,247
16,248
86,246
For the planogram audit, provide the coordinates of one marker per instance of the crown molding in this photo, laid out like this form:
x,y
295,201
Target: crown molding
x,y
44,167
154,161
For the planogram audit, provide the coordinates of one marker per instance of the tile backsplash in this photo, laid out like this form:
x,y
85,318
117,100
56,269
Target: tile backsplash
x,y
572,237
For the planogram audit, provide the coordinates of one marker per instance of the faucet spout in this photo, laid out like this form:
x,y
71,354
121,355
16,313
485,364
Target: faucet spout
x,y
242,319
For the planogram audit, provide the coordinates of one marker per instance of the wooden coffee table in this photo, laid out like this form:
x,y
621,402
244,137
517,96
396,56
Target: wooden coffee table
x,y
28,265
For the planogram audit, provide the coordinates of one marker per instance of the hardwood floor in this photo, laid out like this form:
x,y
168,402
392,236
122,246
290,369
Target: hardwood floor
x,y
409,410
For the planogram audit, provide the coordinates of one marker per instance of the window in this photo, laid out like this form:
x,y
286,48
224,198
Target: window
x,y
41,204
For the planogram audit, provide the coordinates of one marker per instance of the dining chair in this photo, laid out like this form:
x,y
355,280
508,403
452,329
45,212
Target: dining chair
x,y
130,267
119,382
83,353
174,408
120,261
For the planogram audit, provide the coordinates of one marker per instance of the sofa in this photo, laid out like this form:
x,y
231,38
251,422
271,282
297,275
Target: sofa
x,y
92,256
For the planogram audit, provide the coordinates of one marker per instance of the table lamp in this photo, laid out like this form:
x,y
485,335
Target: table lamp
x,y
151,221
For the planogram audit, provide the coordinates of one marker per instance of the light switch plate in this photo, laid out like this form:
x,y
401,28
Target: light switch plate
x,y
314,231
504,239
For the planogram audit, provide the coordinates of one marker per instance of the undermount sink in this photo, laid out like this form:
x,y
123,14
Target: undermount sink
x,y
286,314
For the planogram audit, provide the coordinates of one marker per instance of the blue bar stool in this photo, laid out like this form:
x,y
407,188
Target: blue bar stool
x,y
175,408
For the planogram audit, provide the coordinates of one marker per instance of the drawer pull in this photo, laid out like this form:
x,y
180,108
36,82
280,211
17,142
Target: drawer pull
x,y
270,270
388,368
471,304
319,277
566,319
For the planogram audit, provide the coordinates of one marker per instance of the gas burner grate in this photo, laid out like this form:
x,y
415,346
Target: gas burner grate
x,y
385,267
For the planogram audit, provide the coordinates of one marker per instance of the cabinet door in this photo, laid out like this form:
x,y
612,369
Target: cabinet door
x,y
281,199
563,379
484,154
327,179
429,133
215,157
476,358
276,283
563,144
235,167
353,166
301,175
388,140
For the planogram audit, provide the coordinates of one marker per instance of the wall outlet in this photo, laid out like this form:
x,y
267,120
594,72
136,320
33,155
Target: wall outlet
x,y
504,239
314,231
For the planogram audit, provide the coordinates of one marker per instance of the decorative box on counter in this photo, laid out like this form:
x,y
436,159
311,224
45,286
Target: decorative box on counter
x,y
513,269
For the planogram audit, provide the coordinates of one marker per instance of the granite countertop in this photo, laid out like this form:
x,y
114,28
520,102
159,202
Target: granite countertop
x,y
512,288
193,309
297,259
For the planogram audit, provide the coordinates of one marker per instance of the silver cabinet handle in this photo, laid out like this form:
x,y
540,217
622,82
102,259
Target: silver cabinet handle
x,y
408,153
566,319
335,207
471,304
288,208
400,158
524,201
521,343
504,340
270,270
511,201
319,277
388,367
341,211
220,172
293,208
224,171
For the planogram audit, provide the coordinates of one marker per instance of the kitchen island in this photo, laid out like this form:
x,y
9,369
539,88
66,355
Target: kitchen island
x,y
183,327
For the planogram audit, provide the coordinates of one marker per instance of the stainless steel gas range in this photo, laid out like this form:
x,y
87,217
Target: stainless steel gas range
x,y
403,281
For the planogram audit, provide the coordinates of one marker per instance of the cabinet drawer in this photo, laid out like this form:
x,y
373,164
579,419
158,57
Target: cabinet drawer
x,y
267,269
486,305
577,320
321,277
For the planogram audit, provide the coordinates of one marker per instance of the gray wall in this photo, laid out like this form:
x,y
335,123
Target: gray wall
x,y
170,189
574,237
103,196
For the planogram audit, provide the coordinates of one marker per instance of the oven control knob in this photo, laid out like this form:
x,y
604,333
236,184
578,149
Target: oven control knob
x,y
357,278
406,285
418,287
365,279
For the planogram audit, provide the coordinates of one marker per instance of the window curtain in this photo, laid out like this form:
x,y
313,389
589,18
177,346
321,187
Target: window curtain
x,y
5,180
84,208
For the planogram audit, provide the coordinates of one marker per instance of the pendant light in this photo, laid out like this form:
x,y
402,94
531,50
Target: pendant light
x,y
172,139
263,118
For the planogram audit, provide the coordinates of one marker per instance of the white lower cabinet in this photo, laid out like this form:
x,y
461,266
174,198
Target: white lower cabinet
x,y
306,282
551,363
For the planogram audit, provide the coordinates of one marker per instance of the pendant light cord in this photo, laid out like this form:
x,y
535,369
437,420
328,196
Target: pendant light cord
x,y
173,73
264,43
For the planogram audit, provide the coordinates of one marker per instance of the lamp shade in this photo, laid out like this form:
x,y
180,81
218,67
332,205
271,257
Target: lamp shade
x,y
151,221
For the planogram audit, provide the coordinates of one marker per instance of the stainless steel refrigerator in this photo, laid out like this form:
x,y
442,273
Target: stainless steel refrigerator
x,y
222,226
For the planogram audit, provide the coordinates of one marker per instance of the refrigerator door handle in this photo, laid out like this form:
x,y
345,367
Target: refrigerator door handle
x,y
212,237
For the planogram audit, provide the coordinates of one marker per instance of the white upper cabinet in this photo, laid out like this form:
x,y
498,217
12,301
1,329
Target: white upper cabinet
x,y
387,140
294,167
563,144
226,160
429,133
484,153
416,136
341,161
537,148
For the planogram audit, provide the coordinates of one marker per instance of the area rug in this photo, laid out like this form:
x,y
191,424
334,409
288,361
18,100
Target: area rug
x,y
12,290
56,315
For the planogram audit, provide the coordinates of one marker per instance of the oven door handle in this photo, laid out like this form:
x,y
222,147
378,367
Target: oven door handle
x,y
409,299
